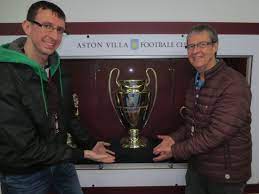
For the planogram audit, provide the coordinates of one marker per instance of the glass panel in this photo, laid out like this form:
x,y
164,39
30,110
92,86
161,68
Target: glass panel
x,y
90,79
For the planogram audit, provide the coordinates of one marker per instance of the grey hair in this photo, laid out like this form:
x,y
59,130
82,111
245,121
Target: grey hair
x,y
204,28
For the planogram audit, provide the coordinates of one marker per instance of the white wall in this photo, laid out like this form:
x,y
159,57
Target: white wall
x,y
141,10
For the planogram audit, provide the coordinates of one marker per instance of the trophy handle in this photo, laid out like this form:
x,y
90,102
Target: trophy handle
x,y
109,84
183,108
147,84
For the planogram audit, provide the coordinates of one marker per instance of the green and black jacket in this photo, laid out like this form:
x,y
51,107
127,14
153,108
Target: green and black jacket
x,y
27,139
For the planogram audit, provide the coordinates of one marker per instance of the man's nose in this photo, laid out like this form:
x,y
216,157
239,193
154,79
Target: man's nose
x,y
54,34
196,49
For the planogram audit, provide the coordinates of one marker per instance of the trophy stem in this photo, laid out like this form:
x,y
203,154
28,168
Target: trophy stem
x,y
134,140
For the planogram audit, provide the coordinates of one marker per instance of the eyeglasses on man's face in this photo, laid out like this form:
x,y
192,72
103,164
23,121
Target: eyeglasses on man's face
x,y
201,45
48,27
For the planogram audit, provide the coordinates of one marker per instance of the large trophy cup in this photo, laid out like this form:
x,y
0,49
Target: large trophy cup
x,y
133,101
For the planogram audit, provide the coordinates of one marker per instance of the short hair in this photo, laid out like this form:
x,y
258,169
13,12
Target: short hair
x,y
35,7
204,28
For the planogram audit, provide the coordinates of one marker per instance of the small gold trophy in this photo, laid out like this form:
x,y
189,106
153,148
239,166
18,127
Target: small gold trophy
x,y
132,103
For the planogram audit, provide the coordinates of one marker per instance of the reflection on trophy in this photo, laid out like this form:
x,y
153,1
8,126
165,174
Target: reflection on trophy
x,y
132,102
76,114
76,104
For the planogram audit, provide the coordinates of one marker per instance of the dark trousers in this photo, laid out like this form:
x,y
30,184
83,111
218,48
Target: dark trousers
x,y
198,184
62,178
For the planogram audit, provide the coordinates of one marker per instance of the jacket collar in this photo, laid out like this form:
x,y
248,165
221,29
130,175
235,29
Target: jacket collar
x,y
211,72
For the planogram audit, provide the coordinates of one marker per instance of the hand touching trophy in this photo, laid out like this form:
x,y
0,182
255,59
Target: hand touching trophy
x,y
133,101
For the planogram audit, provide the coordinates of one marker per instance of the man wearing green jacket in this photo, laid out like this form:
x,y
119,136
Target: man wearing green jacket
x,y
36,112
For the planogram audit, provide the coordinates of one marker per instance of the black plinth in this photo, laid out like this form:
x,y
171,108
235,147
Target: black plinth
x,y
133,155
130,155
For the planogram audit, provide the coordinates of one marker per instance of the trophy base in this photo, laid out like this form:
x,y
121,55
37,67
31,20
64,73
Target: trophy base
x,y
127,142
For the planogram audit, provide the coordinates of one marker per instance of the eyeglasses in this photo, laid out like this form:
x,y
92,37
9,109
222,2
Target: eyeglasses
x,y
47,27
202,44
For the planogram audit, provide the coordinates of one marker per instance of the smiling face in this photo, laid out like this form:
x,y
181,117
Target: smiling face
x,y
202,56
41,42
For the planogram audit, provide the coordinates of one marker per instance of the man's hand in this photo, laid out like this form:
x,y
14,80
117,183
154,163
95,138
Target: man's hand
x,y
100,153
100,148
163,150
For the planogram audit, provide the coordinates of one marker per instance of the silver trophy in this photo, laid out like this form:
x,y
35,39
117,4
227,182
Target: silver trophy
x,y
133,102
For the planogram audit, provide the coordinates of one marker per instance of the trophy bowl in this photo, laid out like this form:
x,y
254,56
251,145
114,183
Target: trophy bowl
x,y
132,103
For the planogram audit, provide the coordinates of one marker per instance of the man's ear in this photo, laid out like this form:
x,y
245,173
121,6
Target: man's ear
x,y
216,46
26,26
